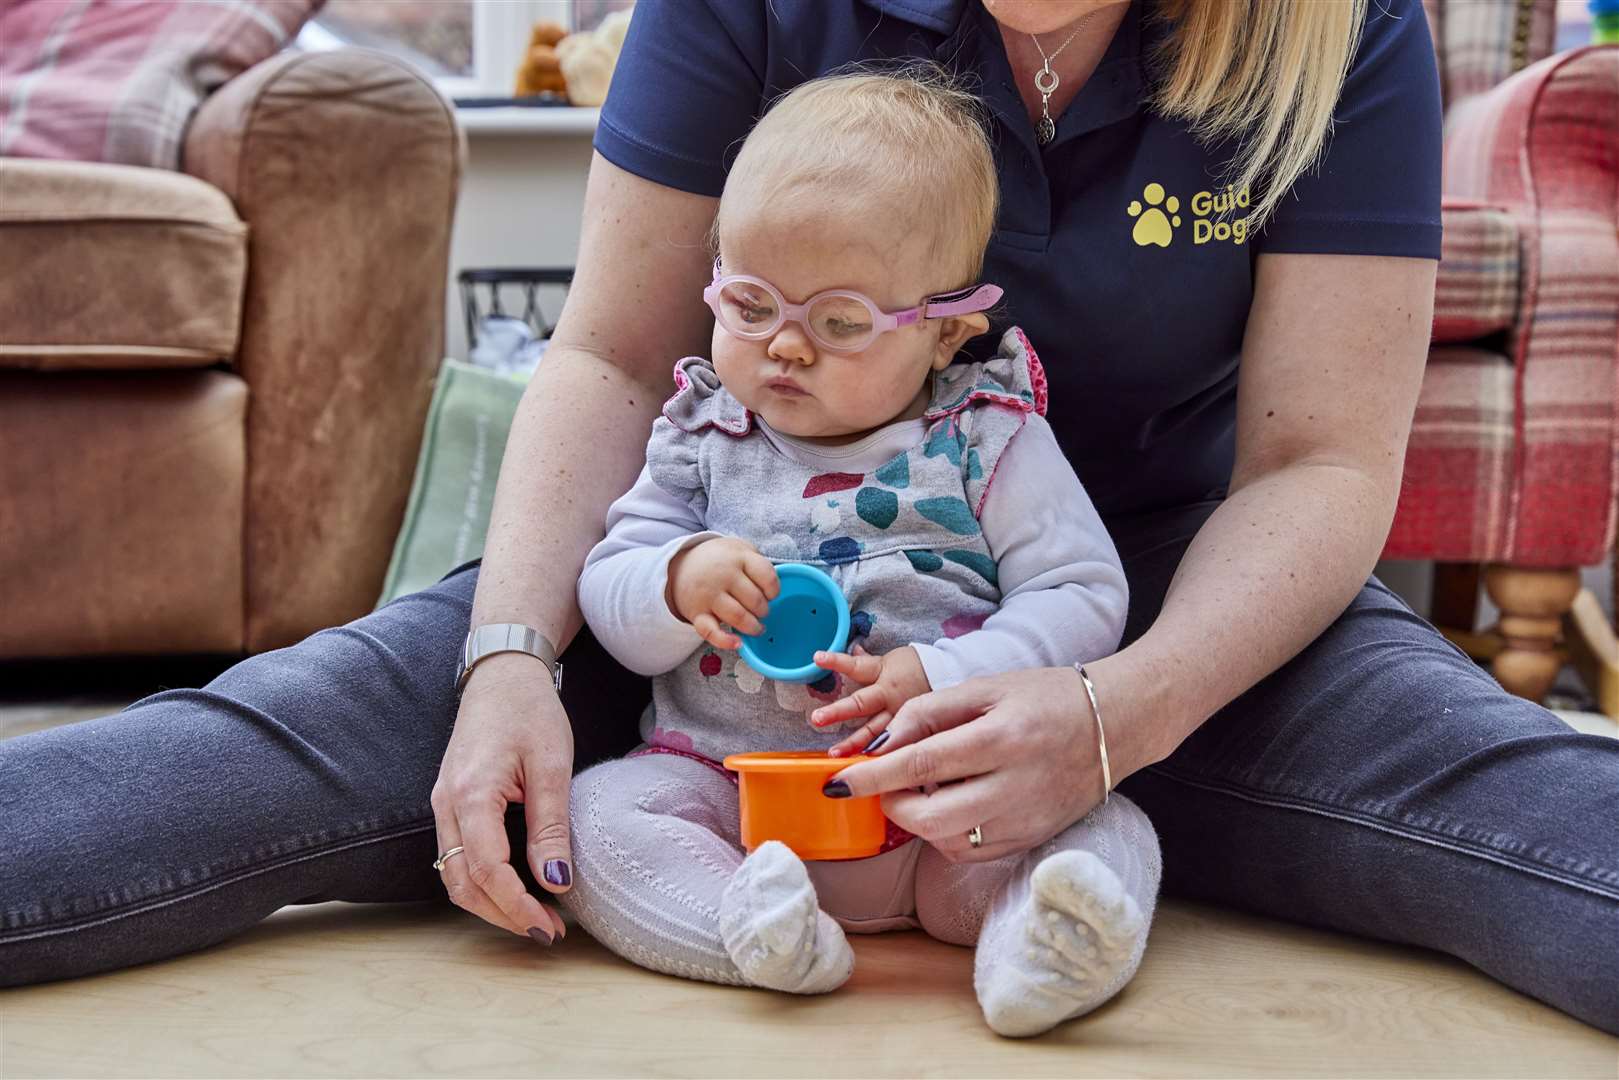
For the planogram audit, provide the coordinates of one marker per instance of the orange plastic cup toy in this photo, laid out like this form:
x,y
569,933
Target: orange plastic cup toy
x,y
782,800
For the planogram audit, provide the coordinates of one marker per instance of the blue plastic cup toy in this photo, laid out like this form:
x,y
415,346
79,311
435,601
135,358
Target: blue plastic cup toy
x,y
809,613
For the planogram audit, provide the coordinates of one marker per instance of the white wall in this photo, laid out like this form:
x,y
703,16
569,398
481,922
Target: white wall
x,y
521,199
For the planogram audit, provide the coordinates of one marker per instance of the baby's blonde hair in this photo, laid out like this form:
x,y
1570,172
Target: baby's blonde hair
x,y
909,139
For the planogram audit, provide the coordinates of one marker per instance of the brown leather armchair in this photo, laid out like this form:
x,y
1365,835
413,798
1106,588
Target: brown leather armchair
x,y
213,383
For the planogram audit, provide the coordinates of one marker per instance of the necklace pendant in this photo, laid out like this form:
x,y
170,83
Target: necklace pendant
x,y
1045,131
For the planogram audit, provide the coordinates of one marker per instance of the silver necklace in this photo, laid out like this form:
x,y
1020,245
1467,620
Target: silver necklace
x,y
1046,82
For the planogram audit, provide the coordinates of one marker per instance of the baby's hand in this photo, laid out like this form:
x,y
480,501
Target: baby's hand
x,y
890,681
721,581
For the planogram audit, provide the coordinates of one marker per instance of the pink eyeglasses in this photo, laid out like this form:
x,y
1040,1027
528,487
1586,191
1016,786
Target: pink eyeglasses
x,y
838,320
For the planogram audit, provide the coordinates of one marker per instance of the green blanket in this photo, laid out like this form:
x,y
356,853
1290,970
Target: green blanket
x,y
447,517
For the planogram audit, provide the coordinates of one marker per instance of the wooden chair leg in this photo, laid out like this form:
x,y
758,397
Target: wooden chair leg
x,y
1532,603
1593,644
1593,649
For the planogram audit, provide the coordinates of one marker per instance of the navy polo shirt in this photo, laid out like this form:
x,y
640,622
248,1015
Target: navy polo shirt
x,y
1110,243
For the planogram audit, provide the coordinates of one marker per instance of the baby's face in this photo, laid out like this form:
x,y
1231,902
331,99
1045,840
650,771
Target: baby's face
x,y
796,386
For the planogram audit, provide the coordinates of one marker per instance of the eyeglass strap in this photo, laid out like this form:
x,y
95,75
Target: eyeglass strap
x,y
962,302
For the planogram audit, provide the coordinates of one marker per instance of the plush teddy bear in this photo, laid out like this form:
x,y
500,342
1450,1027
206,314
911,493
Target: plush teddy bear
x,y
587,59
541,69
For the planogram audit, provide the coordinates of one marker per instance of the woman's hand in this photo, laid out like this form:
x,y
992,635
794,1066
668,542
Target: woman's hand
x,y
722,581
511,744
609,370
1022,746
887,683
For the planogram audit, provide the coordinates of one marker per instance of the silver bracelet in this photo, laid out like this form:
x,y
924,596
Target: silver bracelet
x,y
1101,736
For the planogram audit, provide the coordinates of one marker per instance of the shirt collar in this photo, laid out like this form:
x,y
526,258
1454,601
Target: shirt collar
x,y
1112,93
940,16
945,17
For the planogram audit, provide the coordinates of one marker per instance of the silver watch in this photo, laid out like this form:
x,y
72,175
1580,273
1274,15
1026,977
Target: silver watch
x,y
485,641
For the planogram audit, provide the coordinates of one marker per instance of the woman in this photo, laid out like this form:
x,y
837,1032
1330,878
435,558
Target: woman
x,y
1236,401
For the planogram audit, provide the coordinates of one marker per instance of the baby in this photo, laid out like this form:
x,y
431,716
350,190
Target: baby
x,y
833,427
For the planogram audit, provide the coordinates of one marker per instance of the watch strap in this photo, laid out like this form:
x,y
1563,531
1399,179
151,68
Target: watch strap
x,y
494,638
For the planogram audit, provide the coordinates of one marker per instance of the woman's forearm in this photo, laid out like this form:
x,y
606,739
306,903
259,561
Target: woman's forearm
x,y
579,437
1270,569
576,444
1332,364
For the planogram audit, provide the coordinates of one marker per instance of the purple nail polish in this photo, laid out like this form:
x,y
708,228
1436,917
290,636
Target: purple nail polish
x,y
877,742
539,935
836,789
557,873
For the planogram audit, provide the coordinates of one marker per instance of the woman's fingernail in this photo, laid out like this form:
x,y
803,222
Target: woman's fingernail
x,y
539,935
557,873
877,742
836,789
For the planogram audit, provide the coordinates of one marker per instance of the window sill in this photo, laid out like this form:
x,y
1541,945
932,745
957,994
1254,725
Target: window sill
x,y
525,120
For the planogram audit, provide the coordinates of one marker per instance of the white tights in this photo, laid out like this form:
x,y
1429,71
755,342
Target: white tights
x,y
662,879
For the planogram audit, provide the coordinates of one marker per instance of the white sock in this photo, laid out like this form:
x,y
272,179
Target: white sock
x,y
776,933
1065,938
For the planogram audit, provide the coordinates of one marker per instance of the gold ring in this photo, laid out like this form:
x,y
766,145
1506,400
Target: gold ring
x,y
438,863
975,836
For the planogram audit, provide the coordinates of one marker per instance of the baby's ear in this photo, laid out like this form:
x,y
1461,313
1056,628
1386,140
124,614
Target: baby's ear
x,y
955,332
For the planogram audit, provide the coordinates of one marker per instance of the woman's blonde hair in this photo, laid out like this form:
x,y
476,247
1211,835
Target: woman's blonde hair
x,y
908,139
1266,73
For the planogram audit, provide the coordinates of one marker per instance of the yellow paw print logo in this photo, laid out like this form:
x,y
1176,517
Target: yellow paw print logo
x,y
1155,226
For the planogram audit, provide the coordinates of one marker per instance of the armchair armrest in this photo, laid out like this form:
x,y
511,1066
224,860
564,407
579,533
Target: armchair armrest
x,y
1476,294
1543,146
345,166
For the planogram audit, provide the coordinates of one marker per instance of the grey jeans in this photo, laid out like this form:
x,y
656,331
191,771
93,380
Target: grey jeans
x,y
1380,783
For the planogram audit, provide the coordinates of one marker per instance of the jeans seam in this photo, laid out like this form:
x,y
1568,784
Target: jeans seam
x,y
85,923
1371,822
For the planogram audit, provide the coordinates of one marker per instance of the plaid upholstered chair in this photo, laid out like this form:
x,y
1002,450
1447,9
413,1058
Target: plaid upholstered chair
x,y
1514,457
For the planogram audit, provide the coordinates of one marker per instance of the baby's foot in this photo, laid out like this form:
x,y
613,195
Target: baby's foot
x,y
776,933
1070,945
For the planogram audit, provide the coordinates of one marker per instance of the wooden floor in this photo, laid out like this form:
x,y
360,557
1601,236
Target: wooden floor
x,y
424,990
418,990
